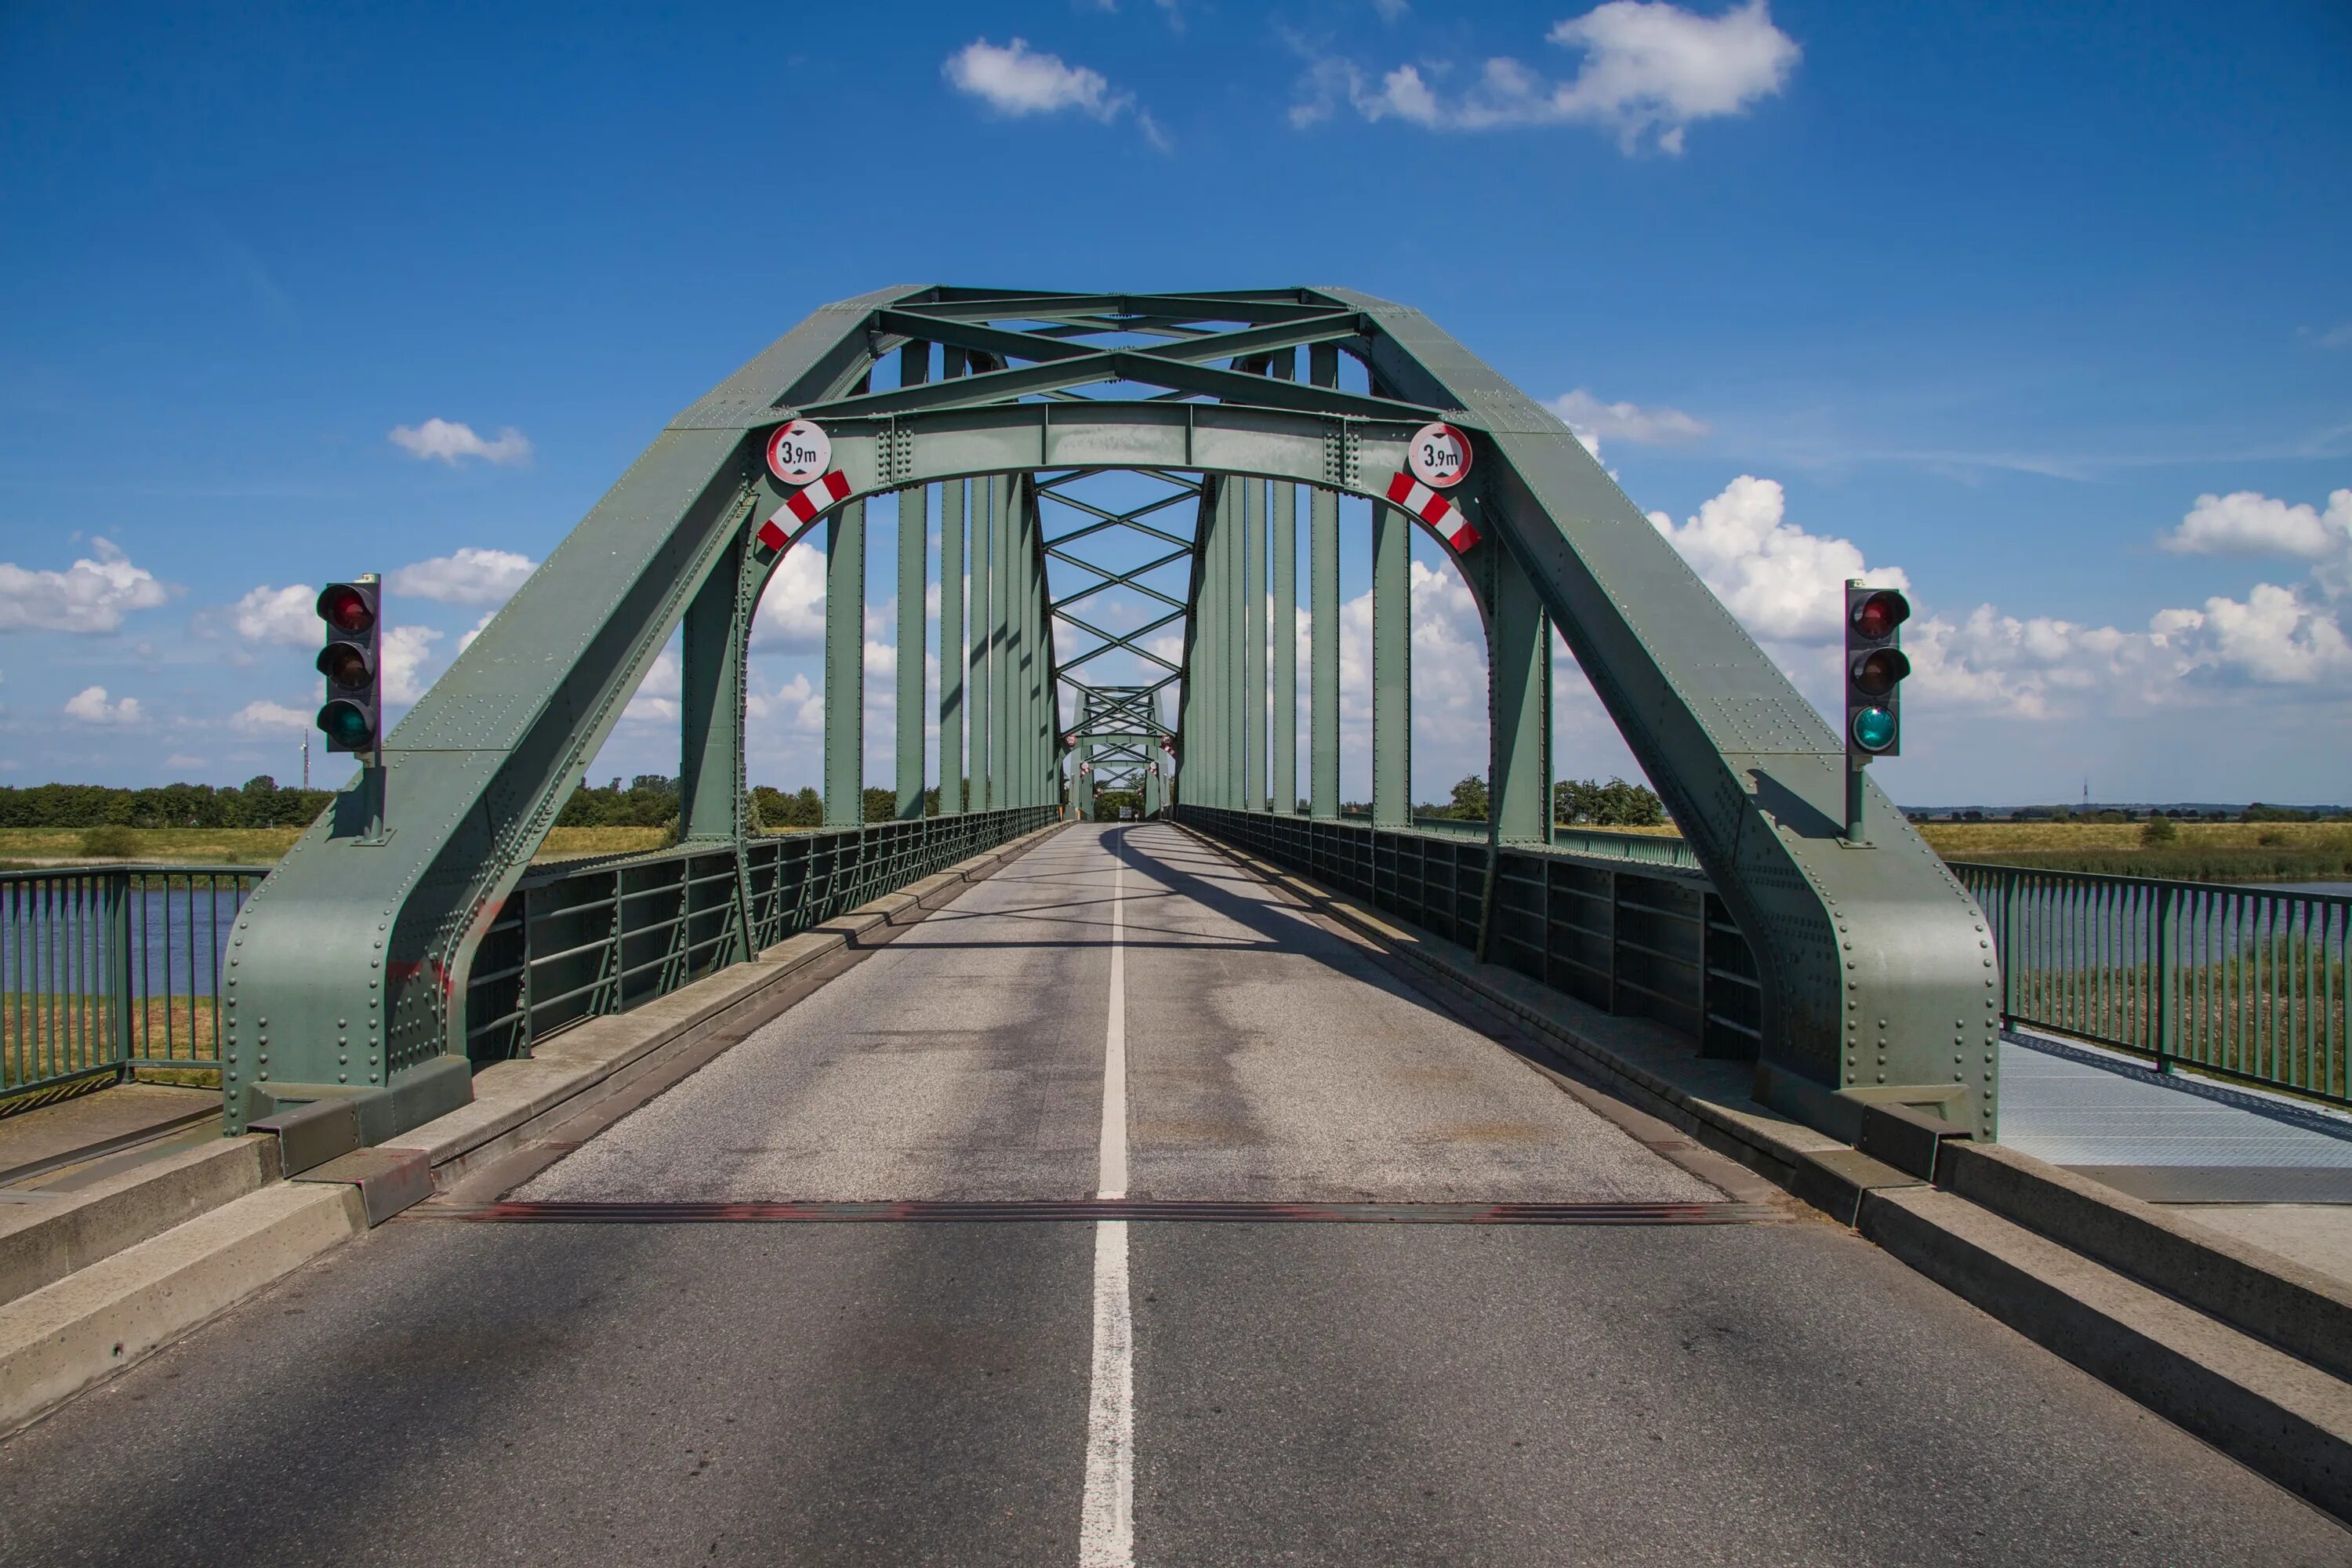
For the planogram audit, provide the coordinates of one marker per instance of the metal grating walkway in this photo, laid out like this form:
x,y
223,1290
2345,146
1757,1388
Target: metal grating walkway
x,y
2168,1138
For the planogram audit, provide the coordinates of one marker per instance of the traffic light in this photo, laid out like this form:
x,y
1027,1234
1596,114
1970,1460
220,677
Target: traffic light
x,y
1874,668
351,662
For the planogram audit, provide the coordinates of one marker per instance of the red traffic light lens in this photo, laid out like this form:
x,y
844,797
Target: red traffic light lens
x,y
1878,615
345,668
346,609
1875,672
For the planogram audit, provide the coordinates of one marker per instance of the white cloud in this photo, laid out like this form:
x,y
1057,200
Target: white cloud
x,y
1783,583
448,441
2273,637
2246,522
467,641
89,706
799,702
284,615
93,595
656,699
1649,70
791,617
405,649
1016,80
465,577
1592,420
265,717
1013,79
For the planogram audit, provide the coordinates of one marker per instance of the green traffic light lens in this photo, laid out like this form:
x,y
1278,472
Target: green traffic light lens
x,y
347,726
1874,729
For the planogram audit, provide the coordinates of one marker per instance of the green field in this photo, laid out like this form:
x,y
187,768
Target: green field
x,y
2202,851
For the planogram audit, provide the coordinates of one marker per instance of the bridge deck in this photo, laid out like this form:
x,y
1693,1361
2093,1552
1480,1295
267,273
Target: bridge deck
x,y
441,1390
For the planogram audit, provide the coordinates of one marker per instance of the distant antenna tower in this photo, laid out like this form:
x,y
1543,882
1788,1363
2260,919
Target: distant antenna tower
x,y
2086,792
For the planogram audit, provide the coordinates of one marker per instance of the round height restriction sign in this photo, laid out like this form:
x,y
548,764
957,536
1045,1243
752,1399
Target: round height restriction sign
x,y
1440,455
800,452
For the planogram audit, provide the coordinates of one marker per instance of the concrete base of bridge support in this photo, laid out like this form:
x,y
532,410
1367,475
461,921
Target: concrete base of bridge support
x,y
1840,1112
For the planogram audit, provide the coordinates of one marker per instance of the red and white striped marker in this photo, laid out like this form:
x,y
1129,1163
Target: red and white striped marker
x,y
804,508
1434,509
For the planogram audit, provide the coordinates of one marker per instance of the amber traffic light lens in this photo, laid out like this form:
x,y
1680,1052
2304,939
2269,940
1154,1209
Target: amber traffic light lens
x,y
347,667
1876,672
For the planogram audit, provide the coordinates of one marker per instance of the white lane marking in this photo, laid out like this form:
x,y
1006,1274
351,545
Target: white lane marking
x,y
1107,1523
1112,1181
1107,1517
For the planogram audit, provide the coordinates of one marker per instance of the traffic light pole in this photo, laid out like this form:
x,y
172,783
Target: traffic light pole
x,y
1853,793
372,780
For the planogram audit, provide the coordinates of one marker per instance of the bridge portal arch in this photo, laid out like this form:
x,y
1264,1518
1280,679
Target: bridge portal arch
x,y
348,966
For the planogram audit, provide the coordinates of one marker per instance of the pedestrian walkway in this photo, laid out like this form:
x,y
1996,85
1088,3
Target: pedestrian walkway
x,y
2268,1171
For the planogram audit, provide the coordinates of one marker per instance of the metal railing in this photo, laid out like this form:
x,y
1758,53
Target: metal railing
x,y
108,970
1628,931
2246,983
581,938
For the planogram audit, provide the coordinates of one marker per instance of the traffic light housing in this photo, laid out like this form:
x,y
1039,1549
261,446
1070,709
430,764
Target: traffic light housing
x,y
351,661
1875,668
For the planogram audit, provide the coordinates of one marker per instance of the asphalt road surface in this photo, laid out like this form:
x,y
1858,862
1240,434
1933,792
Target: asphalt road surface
x,y
1121,1012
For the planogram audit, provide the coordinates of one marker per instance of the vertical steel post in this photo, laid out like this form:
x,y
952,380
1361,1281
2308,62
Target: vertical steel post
x,y
1234,533
844,667
952,577
1254,620
1391,667
1323,624
914,547
1204,760
1285,647
2167,1037
1033,652
1006,577
1518,694
980,684
711,706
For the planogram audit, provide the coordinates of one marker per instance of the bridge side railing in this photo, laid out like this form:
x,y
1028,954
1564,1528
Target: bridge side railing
x,y
578,939
2245,982
1628,931
109,971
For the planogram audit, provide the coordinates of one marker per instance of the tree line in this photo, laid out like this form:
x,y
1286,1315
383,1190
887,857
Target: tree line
x,y
648,800
260,802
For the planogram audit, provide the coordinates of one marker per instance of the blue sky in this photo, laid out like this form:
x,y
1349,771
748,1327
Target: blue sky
x,y
2047,309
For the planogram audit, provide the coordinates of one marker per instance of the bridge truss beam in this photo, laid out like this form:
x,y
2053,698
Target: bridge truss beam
x,y
366,941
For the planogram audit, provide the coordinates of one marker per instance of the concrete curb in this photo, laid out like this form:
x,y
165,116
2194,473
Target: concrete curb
x,y
81,1329
2277,1415
139,1260
2300,1310
2087,1273
46,1241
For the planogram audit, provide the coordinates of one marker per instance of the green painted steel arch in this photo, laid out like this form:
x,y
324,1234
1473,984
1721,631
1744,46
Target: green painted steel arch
x,y
350,964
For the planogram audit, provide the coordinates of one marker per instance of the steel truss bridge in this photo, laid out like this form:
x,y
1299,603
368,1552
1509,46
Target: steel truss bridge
x,y
1079,451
